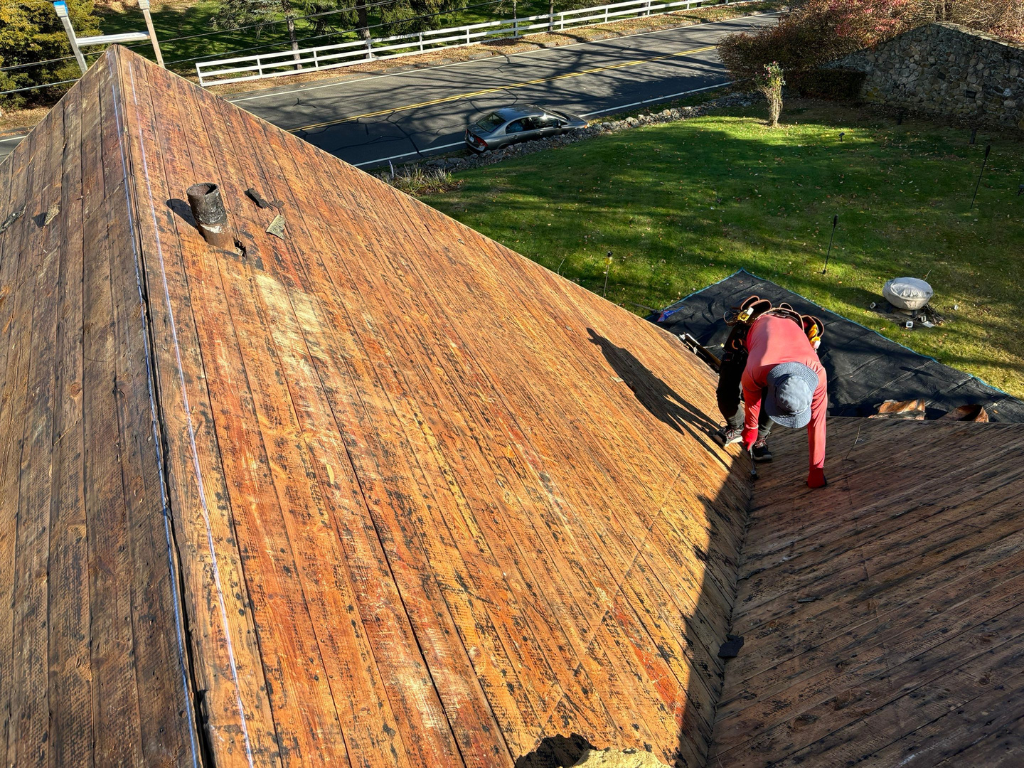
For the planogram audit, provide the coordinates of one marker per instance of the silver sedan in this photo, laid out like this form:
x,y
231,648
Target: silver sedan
x,y
510,125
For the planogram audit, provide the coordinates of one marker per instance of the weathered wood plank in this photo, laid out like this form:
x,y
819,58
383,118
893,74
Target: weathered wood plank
x,y
441,430
384,477
166,709
357,438
869,649
70,677
14,348
971,732
29,701
231,688
899,632
259,465
890,588
400,399
965,689
464,376
806,721
115,690
332,464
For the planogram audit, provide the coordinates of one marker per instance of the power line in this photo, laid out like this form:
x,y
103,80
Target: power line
x,y
275,22
253,26
34,63
37,87
261,25
336,33
269,23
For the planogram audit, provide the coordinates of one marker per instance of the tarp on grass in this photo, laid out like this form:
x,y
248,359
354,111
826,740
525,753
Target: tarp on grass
x,y
864,368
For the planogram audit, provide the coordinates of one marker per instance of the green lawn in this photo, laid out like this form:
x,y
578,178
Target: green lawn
x,y
684,205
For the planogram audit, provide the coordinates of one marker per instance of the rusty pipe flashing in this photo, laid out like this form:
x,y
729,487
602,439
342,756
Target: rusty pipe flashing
x,y
211,218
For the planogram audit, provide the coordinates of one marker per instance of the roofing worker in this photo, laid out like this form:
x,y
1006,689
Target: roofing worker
x,y
782,381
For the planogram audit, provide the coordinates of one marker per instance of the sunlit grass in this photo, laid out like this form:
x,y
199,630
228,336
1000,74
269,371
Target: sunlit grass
x,y
681,206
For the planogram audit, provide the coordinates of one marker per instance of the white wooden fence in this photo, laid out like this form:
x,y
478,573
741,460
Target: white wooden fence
x,y
288,62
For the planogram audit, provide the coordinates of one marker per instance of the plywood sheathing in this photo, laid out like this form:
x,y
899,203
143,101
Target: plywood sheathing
x,y
433,505
882,615
92,638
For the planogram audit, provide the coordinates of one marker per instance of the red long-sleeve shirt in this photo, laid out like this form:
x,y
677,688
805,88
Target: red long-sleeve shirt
x,y
773,340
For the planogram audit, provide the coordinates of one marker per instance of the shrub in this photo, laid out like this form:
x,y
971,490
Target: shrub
x,y
770,83
1002,18
30,31
415,181
819,31
801,41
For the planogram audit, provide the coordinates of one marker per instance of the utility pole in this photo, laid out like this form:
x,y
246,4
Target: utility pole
x,y
62,13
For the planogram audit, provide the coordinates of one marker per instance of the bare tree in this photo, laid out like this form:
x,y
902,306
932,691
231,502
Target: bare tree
x,y
362,24
1004,18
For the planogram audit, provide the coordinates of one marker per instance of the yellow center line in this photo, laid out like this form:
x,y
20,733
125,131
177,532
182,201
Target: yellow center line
x,y
508,87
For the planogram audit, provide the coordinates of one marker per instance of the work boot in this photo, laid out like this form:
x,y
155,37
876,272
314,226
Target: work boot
x,y
761,451
727,435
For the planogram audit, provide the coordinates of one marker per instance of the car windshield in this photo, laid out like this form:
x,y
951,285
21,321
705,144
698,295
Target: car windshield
x,y
559,115
490,122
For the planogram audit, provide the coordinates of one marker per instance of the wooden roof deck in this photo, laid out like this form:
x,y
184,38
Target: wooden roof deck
x,y
883,616
92,635
378,493
385,493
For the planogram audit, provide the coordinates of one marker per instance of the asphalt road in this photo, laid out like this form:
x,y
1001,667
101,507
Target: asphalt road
x,y
370,120
7,145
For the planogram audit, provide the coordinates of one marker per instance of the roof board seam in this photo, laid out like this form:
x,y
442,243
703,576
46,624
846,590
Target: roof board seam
x,y
122,129
177,600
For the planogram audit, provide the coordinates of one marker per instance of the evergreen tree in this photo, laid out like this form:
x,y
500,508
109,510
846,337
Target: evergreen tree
x,y
404,16
30,31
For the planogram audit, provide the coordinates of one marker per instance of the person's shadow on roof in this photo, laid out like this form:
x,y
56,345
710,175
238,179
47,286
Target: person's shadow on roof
x,y
663,402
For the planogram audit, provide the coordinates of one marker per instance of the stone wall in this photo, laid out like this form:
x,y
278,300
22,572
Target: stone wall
x,y
948,69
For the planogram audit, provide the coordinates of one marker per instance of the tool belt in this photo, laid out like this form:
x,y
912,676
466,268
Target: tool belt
x,y
753,307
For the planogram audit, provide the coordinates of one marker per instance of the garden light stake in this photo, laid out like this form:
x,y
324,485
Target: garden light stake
x,y
835,223
976,186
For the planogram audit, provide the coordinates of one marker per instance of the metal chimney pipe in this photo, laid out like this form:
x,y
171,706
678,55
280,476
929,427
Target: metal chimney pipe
x,y
211,218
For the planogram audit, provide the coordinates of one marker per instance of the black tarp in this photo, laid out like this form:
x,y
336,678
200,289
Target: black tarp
x,y
864,368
